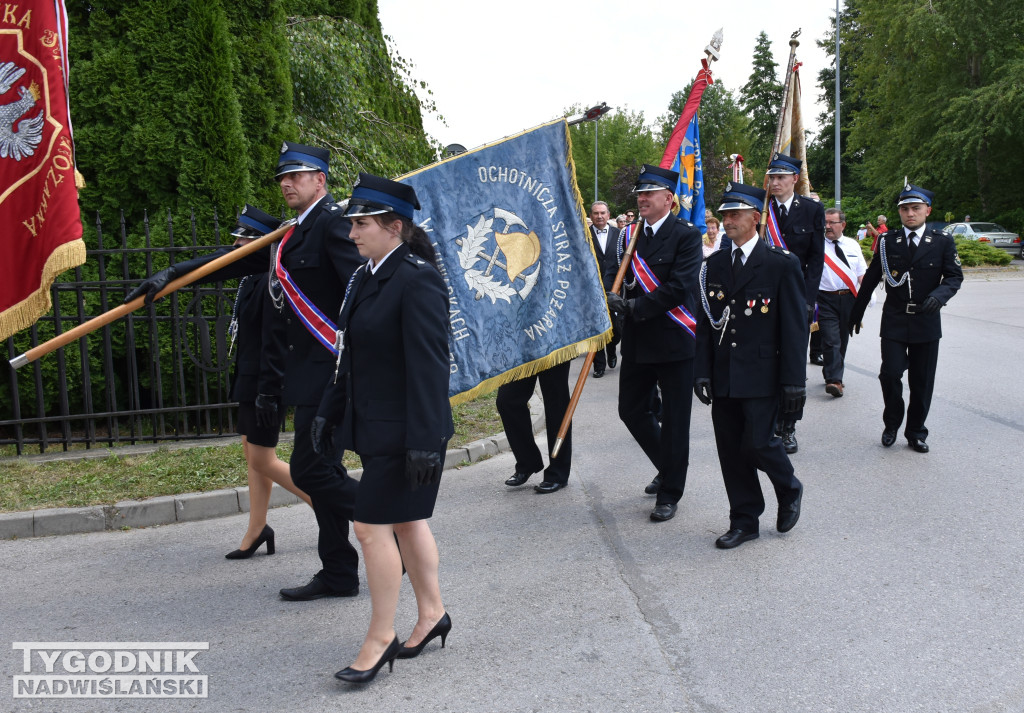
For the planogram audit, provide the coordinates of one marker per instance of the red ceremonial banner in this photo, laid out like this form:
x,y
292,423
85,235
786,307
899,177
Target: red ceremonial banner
x,y
40,228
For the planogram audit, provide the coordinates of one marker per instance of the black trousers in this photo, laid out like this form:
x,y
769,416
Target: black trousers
x,y
600,360
666,444
834,327
816,340
919,361
746,441
333,494
513,407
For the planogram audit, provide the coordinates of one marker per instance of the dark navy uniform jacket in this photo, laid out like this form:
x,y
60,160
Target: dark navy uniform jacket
x,y
761,351
394,383
804,233
674,255
257,370
321,258
934,272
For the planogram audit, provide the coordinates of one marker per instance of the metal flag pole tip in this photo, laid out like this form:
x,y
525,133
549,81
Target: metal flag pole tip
x,y
558,447
18,361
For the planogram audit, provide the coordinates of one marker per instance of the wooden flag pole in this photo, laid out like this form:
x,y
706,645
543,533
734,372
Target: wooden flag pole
x,y
793,44
109,316
627,256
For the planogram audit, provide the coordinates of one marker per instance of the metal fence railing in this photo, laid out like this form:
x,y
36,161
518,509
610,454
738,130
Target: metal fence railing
x,y
160,374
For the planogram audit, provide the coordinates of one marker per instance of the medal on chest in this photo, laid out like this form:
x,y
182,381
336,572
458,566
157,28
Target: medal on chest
x,y
764,305
750,307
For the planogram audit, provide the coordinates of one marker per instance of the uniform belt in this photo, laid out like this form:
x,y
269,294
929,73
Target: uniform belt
x,y
837,292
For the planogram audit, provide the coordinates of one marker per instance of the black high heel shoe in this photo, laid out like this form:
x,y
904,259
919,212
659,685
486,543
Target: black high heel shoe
x,y
353,675
441,628
266,536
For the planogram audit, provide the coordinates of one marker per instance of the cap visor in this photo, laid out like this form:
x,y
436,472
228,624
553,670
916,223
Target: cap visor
x,y
360,209
282,170
736,205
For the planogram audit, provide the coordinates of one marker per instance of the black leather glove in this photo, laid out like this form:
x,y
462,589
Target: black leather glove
x,y
855,325
793,398
266,411
423,467
810,314
702,390
321,432
620,309
152,285
930,306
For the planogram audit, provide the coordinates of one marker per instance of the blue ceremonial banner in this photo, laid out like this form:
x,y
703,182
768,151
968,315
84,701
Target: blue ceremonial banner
x,y
690,188
524,288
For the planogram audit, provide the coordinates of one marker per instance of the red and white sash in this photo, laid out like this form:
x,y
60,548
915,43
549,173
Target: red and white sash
x,y
322,329
680,315
841,273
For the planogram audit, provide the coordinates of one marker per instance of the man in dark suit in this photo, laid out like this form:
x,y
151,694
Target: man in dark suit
x,y
604,237
658,334
751,344
802,225
317,259
922,272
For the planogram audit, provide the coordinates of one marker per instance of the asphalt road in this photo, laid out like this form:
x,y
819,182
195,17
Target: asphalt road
x,y
899,590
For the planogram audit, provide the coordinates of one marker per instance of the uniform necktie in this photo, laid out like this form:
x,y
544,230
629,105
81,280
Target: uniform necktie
x,y
737,262
648,232
910,242
782,211
839,253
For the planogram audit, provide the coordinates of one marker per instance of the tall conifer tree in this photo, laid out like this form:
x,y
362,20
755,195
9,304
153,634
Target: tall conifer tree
x,y
762,101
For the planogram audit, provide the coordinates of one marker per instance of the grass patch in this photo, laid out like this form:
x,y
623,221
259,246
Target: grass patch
x,y
27,485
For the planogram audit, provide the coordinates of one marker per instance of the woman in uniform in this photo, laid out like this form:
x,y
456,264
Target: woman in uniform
x,y
391,400
257,389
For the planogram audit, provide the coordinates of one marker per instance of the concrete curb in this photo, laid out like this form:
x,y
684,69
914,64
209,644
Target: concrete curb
x,y
169,509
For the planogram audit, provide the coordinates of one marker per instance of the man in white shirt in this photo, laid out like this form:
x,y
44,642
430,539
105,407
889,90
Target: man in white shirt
x,y
840,280
604,237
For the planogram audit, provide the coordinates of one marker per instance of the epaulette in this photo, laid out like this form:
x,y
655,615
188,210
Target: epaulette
x,y
776,250
416,260
332,207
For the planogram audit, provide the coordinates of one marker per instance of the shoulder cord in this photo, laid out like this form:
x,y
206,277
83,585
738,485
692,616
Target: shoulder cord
x,y
720,324
890,280
233,325
274,284
339,340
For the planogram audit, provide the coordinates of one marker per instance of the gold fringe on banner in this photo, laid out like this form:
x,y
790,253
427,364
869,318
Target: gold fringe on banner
x,y
25,313
534,367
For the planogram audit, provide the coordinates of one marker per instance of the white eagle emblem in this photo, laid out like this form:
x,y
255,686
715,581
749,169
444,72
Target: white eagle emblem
x,y
18,141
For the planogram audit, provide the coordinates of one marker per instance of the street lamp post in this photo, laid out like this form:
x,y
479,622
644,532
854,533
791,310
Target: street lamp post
x,y
839,189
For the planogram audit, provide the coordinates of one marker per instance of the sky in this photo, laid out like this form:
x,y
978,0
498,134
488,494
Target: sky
x,y
497,67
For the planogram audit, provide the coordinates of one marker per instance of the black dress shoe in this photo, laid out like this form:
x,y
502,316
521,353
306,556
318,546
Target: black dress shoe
x,y
734,538
548,486
518,478
789,514
818,359
663,511
598,373
441,628
315,589
354,675
789,441
267,535
888,437
613,361
654,486
918,444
